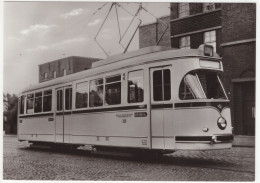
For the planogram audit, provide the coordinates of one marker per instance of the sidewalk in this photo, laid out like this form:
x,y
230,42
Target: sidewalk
x,y
244,141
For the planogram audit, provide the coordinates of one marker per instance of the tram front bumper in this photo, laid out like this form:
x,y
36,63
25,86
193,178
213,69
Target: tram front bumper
x,y
204,142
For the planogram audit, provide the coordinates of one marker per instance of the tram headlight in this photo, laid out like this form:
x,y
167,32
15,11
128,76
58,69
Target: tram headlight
x,y
222,123
208,50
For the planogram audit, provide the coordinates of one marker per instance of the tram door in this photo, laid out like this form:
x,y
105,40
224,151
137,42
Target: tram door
x,y
63,114
161,107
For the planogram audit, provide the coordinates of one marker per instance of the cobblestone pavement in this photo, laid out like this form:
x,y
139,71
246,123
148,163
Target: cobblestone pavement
x,y
21,163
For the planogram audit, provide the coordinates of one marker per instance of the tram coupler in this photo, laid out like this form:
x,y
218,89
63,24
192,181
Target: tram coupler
x,y
213,140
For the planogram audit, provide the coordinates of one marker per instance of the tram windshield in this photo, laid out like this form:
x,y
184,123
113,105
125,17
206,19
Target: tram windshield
x,y
201,85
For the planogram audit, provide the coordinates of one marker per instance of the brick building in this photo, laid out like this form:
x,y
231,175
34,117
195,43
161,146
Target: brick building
x,y
154,31
64,66
231,29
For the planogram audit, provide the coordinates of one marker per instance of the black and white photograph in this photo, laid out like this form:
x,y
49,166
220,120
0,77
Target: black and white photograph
x,y
129,91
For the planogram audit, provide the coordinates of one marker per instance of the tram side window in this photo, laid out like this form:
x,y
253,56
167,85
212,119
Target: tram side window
x,y
22,102
59,100
82,95
167,84
135,86
68,98
96,93
113,90
47,100
29,103
162,85
38,102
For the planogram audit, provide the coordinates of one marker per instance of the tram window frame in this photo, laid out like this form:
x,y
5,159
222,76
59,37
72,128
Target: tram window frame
x,y
200,87
47,98
135,95
161,89
184,92
59,100
68,99
38,97
22,104
99,84
30,106
113,83
167,96
82,87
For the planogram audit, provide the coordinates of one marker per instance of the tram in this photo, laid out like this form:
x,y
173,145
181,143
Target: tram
x,y
154,99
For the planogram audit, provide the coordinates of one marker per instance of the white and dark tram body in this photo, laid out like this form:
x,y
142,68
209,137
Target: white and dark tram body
x,y
155,98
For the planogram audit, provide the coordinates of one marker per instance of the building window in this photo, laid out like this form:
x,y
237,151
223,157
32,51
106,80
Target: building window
x,y
185,42
162,85
45,75
30,103
136,86
210,38
208,6
113,90
38,102
82,95
54,74
183,9
47,100
64,72
96,93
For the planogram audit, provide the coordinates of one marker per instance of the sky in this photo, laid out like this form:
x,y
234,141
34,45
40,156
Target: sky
x,y
39,32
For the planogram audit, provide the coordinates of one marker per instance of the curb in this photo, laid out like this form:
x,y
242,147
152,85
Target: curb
x,y
243,141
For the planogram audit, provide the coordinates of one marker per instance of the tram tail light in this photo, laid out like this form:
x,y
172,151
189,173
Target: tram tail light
x,y
222,123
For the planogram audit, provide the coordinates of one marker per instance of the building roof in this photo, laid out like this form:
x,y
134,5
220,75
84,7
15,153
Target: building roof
x,y
65,58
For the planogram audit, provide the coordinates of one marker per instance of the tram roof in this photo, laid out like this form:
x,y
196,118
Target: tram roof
x,y
138,56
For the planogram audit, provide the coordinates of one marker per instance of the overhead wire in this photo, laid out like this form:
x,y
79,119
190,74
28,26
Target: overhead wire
x,y
118,24
94,13
134,16
121,35
95,38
